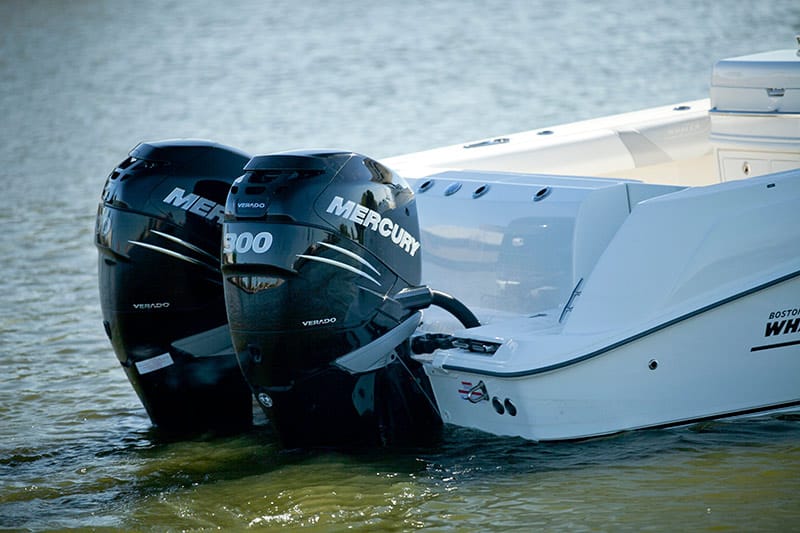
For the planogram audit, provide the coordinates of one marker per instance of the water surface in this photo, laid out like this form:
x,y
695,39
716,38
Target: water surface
x,y
82,82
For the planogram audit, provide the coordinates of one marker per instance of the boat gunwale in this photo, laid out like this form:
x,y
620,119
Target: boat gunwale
x,y
627,340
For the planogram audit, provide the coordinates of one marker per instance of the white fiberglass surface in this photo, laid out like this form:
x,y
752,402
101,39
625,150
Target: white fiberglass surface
x,y
513,244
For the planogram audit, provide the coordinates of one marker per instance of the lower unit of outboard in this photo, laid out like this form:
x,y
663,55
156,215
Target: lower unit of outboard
x,y
315,247
158,233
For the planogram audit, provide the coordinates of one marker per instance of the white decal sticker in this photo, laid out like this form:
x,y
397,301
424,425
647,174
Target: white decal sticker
x,y
195,204
154,305
246,241
154,363
373,220
320,321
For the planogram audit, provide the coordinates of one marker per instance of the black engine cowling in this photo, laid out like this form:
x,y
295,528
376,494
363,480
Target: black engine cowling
x,y
158,234
315,247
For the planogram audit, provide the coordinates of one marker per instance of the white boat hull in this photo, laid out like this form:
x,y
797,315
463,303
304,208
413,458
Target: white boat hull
x,y
719,363
662,291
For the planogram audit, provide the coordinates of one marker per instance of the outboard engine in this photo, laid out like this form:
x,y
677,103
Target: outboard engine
x,y
158,233
316,247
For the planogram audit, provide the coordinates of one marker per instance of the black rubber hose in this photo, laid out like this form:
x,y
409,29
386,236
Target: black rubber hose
x,y
422,297
456,308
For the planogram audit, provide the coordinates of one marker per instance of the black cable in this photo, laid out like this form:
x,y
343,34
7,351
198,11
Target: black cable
x,y
456,308
423,297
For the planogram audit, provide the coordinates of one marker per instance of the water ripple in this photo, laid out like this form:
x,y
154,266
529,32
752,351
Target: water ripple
x,y
77,92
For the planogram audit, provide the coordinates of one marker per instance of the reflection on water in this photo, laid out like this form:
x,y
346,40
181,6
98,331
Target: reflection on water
x,y
717,474
81,83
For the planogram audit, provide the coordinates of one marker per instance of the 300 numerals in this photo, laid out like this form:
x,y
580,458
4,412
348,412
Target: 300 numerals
x,y
246,242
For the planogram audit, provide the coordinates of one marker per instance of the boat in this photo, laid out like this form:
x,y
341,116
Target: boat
x,y
634,271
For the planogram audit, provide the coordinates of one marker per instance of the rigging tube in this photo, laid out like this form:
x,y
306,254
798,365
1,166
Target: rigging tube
x,y
423,297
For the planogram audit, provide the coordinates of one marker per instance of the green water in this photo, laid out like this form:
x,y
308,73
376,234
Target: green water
x,y
716,477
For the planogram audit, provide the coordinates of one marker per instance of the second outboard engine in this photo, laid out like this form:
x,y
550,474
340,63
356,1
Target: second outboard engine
x,y
316,245
158,233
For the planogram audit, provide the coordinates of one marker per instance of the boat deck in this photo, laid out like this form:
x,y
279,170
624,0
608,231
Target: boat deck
x,y
664,145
